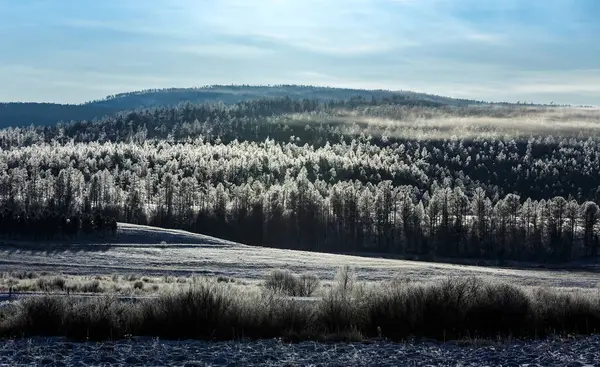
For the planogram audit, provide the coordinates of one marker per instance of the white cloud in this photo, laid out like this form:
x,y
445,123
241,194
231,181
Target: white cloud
x,y
223,50
329,27
424,45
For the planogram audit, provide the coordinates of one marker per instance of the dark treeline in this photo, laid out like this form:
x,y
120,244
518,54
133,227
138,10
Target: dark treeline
x,y
51,225
388,175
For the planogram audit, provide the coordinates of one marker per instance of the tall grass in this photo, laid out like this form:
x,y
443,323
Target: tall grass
x,y
449,309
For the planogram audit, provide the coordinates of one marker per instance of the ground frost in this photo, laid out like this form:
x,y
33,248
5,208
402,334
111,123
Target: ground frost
x,y
154,352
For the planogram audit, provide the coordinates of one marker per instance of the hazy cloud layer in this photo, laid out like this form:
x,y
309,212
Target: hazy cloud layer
x,y
72,51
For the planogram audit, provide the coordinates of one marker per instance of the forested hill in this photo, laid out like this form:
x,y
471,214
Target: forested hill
x,y
412,178
25,114
238,93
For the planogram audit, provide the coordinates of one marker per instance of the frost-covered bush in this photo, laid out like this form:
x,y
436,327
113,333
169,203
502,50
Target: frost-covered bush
x,y
286,283
92,286
282,282
308,284
51,284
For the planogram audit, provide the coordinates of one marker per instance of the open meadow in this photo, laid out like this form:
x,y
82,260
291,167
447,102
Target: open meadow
x,y
161,257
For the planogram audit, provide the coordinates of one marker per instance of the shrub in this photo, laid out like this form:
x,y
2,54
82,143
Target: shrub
x,y
40,316
340,309
195,313
132,277
308,284
42,284
286,283
91,287
453,308
24,275
224,279
282,282
56,283
97,319
138,285
579,313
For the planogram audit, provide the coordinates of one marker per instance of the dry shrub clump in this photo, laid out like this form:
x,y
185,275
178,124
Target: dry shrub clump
x,y
285,283
450,309
51,284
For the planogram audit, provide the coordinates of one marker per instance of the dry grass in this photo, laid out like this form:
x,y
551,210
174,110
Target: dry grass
x,y
457,308
123,285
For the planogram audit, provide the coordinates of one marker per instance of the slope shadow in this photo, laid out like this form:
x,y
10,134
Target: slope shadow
x,y
50,247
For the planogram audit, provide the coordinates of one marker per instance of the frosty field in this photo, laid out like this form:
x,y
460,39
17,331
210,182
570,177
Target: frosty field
x,y
153,352
156,252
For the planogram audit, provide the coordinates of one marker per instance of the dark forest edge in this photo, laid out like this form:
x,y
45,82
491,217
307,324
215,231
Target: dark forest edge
x,y
321,176
48,226
452,309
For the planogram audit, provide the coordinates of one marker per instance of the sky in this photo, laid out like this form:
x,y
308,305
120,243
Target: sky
x,y
72,51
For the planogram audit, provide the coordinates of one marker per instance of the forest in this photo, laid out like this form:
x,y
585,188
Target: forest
x,y
388,174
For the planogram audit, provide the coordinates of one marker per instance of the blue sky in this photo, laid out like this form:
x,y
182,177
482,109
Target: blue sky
x,y
78,50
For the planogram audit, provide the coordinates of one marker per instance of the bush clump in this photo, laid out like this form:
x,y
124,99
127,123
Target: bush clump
x,y
92,286
285,283
51,284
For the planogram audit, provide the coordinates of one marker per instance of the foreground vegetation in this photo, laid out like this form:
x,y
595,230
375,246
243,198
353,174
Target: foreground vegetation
x,y
397,310
115,284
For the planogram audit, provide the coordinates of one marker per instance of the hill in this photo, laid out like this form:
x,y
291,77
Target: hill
x,y
28,113
238,93
161,252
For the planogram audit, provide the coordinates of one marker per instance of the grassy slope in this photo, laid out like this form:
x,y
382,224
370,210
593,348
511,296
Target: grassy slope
x,y
138,250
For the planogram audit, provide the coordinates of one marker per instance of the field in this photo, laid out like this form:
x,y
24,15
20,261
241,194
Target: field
x,y
153,352
162,256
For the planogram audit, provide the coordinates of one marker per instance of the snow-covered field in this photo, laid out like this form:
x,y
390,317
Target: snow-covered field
x,y
152,352
157,252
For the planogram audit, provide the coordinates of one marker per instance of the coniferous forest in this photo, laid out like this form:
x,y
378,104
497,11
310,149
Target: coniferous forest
x,y
388,174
